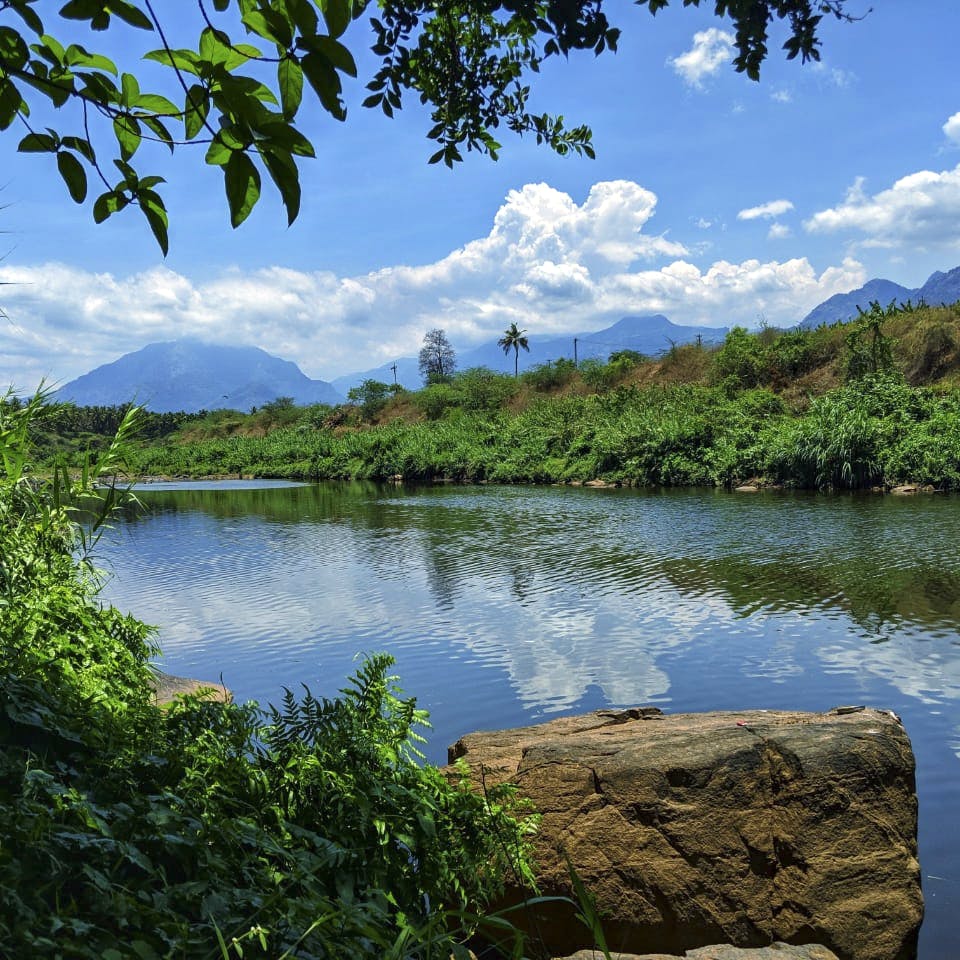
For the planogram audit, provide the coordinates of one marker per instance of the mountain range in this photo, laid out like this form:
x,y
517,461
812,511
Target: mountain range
x,y
190,375
939,289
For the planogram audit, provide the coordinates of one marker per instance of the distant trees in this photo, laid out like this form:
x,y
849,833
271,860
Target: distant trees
x,y
437,360
514,339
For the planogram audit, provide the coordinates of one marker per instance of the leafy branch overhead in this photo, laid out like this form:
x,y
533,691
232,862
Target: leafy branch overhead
x,y
241,88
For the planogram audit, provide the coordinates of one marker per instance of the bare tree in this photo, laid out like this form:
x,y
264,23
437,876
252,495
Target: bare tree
x,y
437,359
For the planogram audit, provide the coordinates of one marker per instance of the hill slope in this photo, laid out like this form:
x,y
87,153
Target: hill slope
x,y
189,375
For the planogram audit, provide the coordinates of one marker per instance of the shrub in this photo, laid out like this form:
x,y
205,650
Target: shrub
x,y
435,399
371,396
742,361
209,828
544,377
482,389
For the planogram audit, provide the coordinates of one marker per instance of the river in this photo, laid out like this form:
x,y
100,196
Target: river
x,y
508,605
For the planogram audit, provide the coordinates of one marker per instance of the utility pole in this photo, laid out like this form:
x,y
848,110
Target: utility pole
x,y
575,363
394,369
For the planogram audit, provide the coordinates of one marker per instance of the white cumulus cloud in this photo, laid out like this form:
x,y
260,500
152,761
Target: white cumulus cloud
x,y
922,209
778,231
766,211
551,264
952,128
710,51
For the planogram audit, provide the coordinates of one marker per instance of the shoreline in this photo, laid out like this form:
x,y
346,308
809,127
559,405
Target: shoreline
x,y
598,483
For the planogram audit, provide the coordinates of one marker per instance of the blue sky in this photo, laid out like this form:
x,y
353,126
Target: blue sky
x,y
713,200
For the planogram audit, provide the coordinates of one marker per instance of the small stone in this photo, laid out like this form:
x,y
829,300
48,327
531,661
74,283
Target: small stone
x,y
167,688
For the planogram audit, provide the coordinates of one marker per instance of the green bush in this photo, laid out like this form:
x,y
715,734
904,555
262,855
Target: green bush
x,y
481,389
207,829
742,361
544,377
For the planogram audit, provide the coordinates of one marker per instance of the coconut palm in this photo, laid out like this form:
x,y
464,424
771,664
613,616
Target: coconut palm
x,y
514,339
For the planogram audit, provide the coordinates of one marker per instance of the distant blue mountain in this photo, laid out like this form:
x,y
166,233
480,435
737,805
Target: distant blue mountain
x,y
190,375
939,289
649,335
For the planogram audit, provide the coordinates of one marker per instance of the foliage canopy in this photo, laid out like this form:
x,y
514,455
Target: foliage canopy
x,y
239,90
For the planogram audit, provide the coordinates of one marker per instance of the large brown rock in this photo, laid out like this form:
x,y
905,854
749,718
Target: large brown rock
x,y
778,951
743,828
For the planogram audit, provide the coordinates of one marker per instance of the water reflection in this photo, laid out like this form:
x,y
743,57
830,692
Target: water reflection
x,y
565,590
505,605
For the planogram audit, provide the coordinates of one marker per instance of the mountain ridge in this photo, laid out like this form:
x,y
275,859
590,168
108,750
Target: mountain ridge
x,y
940,288
190,375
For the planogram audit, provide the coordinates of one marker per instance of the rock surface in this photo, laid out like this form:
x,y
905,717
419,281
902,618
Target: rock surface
x,y
167,688
777,951
745,828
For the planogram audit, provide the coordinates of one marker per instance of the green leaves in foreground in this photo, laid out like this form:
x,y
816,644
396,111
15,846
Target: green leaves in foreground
x,y
310,830
471,72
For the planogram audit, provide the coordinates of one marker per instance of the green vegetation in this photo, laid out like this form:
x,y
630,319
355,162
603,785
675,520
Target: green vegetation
x,y
241,102
868,403
206,829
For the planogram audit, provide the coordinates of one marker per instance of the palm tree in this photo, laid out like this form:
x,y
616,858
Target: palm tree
x,y
514,339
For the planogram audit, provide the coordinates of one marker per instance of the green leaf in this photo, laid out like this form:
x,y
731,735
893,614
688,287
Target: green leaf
x,y
21,8
243,186
290,80
129,90
77,56
304,15
283,171
13,50
325,82
156,215
108,203
129,174
130,14
156,104
159,130
185,61
38,143
81,146
218,153
73,175
269,25
216,48
11,104
336,53
337,14
240,53
287,138
127,131
195,110
51,49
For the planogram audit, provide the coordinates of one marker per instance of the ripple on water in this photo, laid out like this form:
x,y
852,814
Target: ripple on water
x,y
505,606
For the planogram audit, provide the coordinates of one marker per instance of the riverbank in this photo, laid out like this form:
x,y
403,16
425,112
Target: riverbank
x,y
878,432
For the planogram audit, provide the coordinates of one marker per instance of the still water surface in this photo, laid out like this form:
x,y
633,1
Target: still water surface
x,y
508,605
